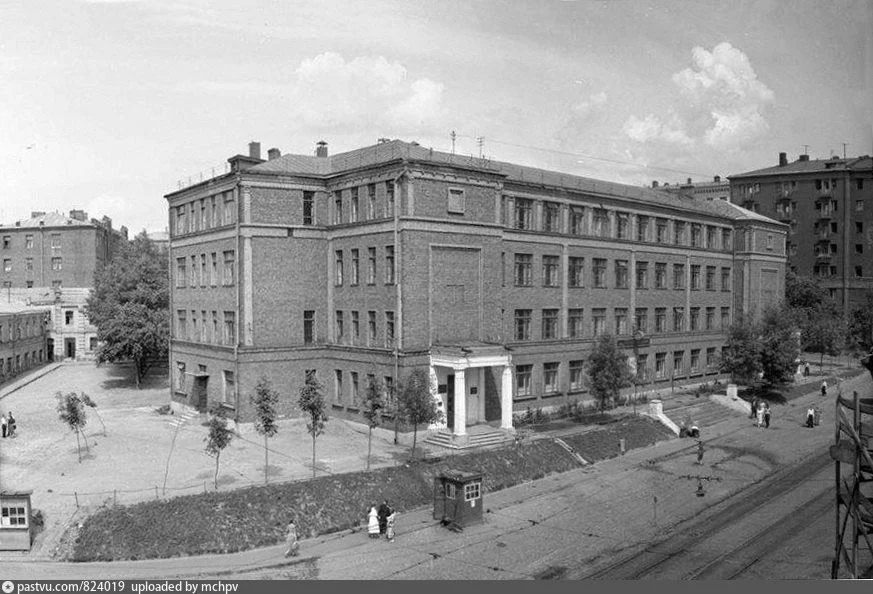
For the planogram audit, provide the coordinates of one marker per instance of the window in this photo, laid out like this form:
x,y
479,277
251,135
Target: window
x,y
577,374
678,360
523,265
601,223
642,368
353,206
695,319
695,277
338,385
338,268
195,331
68,317
576,276
621,274
203,271
679,232
355,266
660,275
696,235
551,217
598,321
620,321
711,357
355,388
523,213
710,318
678,276
181,272
550,324
522,380
7,242
660,365
371,266
725,318
769,241
678,319
192,272
725,279
574,323
371,328
522,324
7,265
180,376
661,230
229,274
192,217
56,240
859,204
859,227
229,387
694,365
550,377
216,211
550,271
600,273
215,336
389,328
641,319
229,328
229,209
356,328
28,242
577,220
726,243
308,326
204,215
389,264
337,207
710,278
642,228
339,325
860,183
371,201
859,248
457,201
642,275
711,237
389,198
859,272
622,225
833,228
28,284
308,208
181,324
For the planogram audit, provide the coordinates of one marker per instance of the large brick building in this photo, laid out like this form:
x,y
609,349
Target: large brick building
x,y
828,205
50,259
495,276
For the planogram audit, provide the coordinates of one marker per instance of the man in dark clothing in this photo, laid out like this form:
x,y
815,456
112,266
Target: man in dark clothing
x,y
384,511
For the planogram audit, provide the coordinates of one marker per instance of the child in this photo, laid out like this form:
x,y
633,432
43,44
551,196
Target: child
x,y
291,539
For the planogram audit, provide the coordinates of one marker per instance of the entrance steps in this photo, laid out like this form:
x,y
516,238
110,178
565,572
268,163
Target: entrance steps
x,y
182,417
474,438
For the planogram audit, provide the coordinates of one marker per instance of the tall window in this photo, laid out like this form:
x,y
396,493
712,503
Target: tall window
x,y
229,328
192,217
308,208
523,213
28,242
577,374
389,198
56,240
550,324
339,323
641,319
389,328
229,273
181,271
550,271
621,274
678,276
710,278
710,318
216,211
229,209
337,207
661,230
371,266
695,319
725,279
309,326
371,328
711,237
576,271
180,220
696,235
215,334
678,360
181,324
338,268
57,263
660,275
180,376
551,217
678,319
598,321
600,273
620,321
577,220
204,214
195,331
456,201
192,272
338,385
726,242
356,328
622,225
213,277
725,318
642,228
522,324
695,277
601,223
523,265
355,266
353,206
550,377
523,380
574,323
389,264
204,273
679,232
660,365
355,388
642,275
371,201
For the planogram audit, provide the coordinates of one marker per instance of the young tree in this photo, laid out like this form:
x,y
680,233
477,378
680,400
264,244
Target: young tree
x,y
312,403
416,402
373,405
265,400
86,400
861,324
71,411
130,306
824,333
607,369
780,346
741,356
219,436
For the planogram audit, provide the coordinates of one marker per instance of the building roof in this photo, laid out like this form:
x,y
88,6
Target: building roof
x,y
812,166
48,219
393,150
18,307
158,235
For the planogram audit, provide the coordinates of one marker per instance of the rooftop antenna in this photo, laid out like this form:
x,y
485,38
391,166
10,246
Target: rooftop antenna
x,y
453,135
844,149
480,140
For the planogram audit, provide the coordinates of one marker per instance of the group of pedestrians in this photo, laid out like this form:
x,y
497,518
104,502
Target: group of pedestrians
x,y
761,413
381,521
7,424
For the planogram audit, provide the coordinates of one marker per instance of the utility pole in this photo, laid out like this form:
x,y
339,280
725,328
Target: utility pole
x,y
844,149
453,135
480,140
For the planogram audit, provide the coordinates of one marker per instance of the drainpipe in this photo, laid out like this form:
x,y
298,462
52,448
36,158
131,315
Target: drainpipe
x,y
398,303
236,377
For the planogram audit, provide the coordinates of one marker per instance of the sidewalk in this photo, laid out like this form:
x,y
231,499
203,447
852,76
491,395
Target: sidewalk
x,y
27,378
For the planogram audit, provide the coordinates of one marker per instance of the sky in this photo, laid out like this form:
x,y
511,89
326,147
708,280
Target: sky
x,y
108,105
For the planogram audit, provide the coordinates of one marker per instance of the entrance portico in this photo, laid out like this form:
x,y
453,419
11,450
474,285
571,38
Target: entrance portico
x,y
464,377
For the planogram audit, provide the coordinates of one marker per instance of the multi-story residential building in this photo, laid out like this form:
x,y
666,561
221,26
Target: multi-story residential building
x,y
50,260
713,190
828,205
495,276
23,336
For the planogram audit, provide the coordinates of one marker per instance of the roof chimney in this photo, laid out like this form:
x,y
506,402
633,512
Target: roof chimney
x,y
321,149
273,153
717,178
655,183
255,150
783,159
803,158
79,215
36,213
689,180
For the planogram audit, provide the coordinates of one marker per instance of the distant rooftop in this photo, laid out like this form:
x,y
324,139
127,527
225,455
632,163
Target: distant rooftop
x,y
806,165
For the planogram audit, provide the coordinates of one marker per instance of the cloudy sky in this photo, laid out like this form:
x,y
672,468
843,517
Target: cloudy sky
x,y
106,105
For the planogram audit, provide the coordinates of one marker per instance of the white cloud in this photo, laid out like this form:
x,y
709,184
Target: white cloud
x,y
651,128
586,106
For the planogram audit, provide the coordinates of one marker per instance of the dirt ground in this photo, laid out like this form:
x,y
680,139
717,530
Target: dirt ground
x,y
143,455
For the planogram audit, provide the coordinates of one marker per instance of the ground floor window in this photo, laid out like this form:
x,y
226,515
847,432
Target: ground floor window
x,y
577,374
678,358
472,491
229,386
660,365
695,360
710,357
522,380
92,343
550,377
13,516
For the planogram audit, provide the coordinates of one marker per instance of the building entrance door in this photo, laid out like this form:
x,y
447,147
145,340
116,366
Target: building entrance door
x,y
70,348
50,347
450,401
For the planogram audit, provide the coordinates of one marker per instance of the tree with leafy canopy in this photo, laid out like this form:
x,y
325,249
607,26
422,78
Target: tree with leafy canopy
x,y
87,401
607,369
372,410
311,402
265,400
741,355
219,436
861,324
416,402
71,410
129,305
780,347
825,334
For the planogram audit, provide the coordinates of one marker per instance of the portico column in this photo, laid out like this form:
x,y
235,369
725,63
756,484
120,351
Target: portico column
x,y
460,403
506,399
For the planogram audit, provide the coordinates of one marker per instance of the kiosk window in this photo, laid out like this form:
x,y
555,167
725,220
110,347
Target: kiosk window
x,y
450,490
13,516
472,491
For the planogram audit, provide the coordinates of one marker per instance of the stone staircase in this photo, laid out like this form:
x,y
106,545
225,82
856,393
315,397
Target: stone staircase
x,y
703,411
181,418
475,439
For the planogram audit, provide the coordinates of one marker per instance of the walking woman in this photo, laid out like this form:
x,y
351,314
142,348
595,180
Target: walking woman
x,y
389,527
291,539
767,416
373,522
759,421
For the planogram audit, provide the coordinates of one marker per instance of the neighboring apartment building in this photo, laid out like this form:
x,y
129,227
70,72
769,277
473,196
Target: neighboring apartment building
x,y
50,259
714,190
828,204
23,338
497,277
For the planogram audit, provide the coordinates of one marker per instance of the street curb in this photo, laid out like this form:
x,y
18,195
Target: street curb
x,y
41,372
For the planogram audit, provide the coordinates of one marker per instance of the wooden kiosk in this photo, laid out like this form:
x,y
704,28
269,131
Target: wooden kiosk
x,y
15,529
457,499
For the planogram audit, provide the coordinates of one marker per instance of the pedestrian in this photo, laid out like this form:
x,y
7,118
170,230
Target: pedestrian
x,y
754,403
700,452
759,420
824,388
373,522
4,423
384,512
767,416
810,417
10,425
806,368
694,431
389,528
291,539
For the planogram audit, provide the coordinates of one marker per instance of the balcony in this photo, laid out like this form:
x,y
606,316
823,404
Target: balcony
x,y
824,215
823,256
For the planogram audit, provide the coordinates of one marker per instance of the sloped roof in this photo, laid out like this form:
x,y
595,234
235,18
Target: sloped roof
x,y
50,219
812,166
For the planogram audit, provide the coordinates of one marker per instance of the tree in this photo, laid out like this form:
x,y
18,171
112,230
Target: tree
x,y
130,306
311,402
71,410
607,370
373,405
265,400
780,347
416,402
86,400
824,333
861,324
804,292
741,356
219,436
